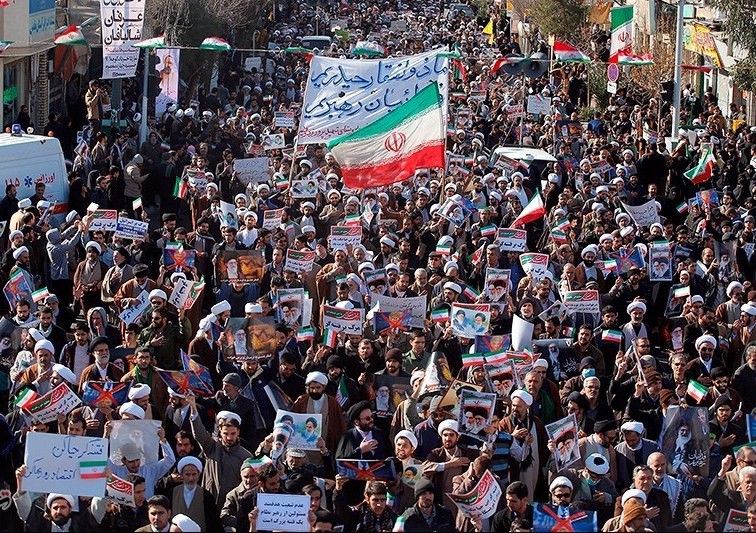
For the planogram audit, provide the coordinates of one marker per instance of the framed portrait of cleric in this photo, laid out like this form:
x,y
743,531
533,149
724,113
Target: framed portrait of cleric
x,y
245,265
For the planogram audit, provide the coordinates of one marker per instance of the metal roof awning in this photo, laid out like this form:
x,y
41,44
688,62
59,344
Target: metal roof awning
x,y
14,51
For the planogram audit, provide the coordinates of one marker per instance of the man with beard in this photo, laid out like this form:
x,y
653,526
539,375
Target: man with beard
x,y
102,369
224,454
335,372
315,401
425,515
664,482
444,463
230,399
144,372
38,375
744,378
528,449
57,515
701,367
587,270
49,330
363,440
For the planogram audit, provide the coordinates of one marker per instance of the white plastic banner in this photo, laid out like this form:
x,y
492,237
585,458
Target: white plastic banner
x,y
343,95
121,25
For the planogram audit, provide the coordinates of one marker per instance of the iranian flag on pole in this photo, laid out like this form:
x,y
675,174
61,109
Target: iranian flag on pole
x,y
635,60
533,211
622,32
215,43
390,149
566,53
70,36
472,359
696,390
703,170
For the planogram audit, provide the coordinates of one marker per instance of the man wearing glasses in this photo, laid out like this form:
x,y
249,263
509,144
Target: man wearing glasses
x,y
102,369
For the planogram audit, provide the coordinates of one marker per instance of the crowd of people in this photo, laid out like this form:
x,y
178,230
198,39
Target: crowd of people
x,y
255,387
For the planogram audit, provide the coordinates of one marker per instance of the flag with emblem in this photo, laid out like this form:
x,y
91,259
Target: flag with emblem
x,y
306,334
92,469
390,149
25,397
622,32
330,337
531,212
611,335
440,315
566,53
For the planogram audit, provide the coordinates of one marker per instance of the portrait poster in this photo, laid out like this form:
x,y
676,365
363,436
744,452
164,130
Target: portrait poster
x,y
306,429
476,413
450,399
261,335
660,261
141,433
500,375
168,72
564,434
497,284
390,391
412,472
492,343
289,306
469,320
240,265
684,439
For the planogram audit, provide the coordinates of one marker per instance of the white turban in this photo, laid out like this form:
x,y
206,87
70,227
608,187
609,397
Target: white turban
x,y
18,251
448,424
632,425
44,345
417,375
220,307
317,377
591,248
636,305
448,266
95,245
406,435
158,293
388,241
65,373
185,524
130,408
705,338
36,335
732,286
189,460
139,390
523,395
453,287
560,481
606,237
633,493
228,415
54,496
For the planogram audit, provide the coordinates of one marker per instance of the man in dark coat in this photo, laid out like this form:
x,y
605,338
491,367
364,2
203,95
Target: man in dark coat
x,y
363,440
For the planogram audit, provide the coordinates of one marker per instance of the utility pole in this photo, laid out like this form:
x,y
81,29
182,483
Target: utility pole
x,y
680,29
143,125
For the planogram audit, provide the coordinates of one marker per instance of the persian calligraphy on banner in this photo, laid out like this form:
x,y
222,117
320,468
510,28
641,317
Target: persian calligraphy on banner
x,y
132,313
582,302
128,228
347,320
644,215
65,464
343,95
121,25
512,240
282,512
284,119
120,490
535,264
252,169
343,236
482,500
415,305
104,220
60,400
299,260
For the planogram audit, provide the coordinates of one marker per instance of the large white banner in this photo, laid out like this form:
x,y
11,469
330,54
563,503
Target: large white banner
x,y
168,72
343,95
121,24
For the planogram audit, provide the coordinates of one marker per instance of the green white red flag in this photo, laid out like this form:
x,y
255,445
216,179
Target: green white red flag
x,y
390,149
70,36
533,211
566,53
622,32
704,168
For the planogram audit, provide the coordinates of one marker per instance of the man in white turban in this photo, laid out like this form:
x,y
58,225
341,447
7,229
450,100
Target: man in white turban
x,y
191,500
700,368
635,328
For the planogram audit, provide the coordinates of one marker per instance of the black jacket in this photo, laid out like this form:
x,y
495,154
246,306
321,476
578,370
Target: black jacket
x,y
442,521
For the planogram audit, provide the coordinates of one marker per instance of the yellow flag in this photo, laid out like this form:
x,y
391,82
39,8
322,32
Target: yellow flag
x,y
489,30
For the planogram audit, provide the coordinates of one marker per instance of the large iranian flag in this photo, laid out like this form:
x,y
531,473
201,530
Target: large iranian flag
x,y
622,32
566,53
531,212
703,170
390,149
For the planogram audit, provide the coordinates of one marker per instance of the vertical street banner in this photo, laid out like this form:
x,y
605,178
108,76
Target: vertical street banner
x,y
168,74
121,24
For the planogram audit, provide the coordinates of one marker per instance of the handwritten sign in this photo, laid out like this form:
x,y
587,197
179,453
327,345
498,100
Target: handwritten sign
x,y
512,240
120,491
104,220
644,215
539,105
284,119
347,320
344,236
132,313
482,500
282,512
415,305
299,261
252,170
181,290
59,401
128,228
65,464
121,27
343,95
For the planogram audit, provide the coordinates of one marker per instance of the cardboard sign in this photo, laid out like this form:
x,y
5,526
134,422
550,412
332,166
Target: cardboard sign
x,y
120,491
272,218
512,240
345,236
539,105
282,512
299,261
347,320
65,464
59,401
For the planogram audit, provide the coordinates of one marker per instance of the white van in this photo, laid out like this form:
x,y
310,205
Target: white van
x,y
28,159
